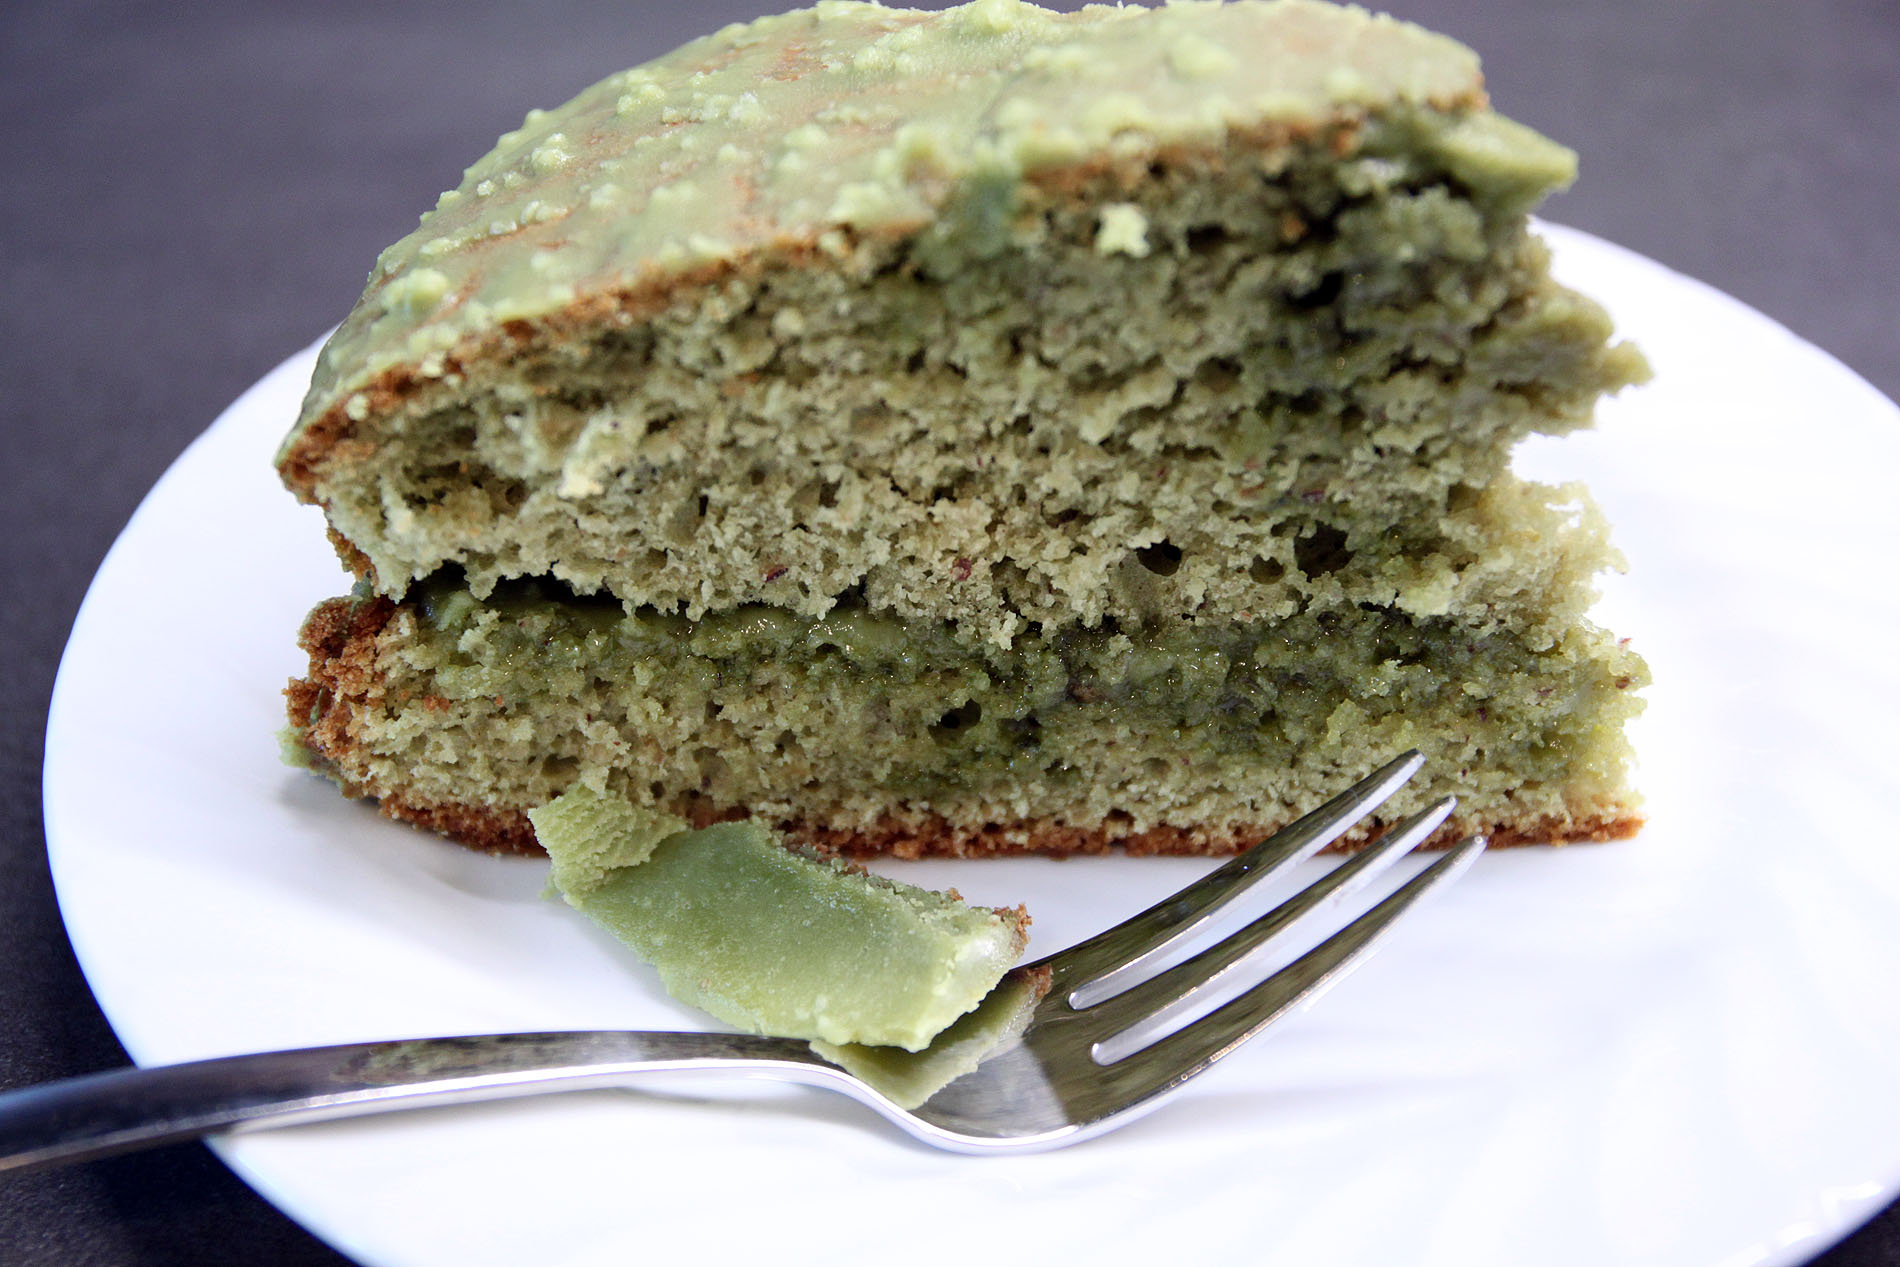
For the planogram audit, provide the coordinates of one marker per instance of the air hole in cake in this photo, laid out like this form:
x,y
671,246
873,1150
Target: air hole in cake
x,y
1306,403
1151,416
1206,237
914,364
624,353
506,494
653,560
682,526
1009,576
1319,296
1218,374
1163,558
1266,571
810,496
557,428
712,768
583,398
958,720
1026,731
429,484
1321,551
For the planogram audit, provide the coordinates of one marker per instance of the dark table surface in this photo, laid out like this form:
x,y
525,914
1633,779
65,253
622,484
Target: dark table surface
x,y
191,192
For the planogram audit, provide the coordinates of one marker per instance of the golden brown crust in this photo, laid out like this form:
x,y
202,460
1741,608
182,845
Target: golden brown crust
x,y
501,832
353,559
508,832
340,638
940,838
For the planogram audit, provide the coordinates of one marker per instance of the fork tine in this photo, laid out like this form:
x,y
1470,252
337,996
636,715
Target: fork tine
x,y
1191,1050
1130,1020
1111,961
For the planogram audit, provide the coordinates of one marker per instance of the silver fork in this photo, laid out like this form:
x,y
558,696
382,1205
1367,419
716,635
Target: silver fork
x,y
1096,1052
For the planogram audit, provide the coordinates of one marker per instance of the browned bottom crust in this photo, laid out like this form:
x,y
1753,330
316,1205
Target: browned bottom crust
x,y
506,831
340,637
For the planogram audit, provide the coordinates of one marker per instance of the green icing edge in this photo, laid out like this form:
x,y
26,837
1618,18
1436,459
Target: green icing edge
x,y
771,940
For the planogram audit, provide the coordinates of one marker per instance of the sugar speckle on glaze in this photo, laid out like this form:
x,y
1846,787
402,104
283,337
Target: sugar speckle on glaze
x,y
1124,231
416,292
1194,57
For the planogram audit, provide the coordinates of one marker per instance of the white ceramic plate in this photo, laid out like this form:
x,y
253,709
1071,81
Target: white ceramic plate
x,y
1677,1050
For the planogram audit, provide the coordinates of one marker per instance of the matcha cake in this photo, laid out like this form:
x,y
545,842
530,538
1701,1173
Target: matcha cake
x,y
978,431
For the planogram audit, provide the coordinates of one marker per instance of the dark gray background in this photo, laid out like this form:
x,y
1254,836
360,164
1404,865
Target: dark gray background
x,y
191,192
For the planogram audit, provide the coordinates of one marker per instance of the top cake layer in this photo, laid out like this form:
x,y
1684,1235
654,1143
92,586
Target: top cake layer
x,y
854,117
996,316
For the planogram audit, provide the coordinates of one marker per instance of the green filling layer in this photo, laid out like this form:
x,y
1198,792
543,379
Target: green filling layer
x,y
770,940
861,722
791,717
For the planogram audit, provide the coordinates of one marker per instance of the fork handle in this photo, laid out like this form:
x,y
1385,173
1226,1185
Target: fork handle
x,y
123,1110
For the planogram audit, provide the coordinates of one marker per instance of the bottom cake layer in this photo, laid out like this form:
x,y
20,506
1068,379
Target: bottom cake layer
x,y
861,733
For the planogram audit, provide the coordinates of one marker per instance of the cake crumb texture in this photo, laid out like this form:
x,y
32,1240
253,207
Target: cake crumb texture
x,y
975,432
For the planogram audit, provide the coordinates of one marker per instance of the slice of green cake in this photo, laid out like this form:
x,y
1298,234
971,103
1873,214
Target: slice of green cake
x,y
978,431
774,941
